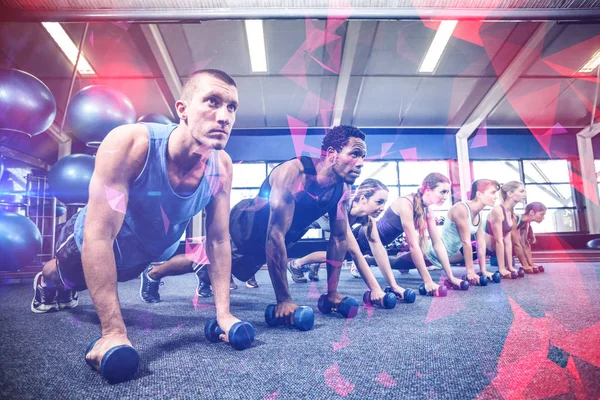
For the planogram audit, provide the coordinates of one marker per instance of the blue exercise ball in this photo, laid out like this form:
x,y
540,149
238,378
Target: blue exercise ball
x,y
26,104
69,179
60,211
95,111
156,118
20,241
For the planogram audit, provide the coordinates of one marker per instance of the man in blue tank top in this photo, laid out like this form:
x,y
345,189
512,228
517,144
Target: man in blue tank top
x,y
149,181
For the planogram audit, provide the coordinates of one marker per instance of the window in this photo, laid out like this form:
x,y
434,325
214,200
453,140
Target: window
x,y
548,182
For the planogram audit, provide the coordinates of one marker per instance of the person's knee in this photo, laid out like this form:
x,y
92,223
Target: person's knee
x,y
50,272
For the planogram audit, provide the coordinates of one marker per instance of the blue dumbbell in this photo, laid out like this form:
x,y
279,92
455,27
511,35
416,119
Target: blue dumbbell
x,y
388,301
348,307
118,364
241,334
409,295
442,291
303,318
483,280
495,277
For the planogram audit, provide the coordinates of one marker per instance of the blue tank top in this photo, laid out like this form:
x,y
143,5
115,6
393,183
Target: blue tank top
x,y
156,217
249,219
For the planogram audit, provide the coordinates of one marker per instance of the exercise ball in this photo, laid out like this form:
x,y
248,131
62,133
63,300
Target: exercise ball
x,y
156,118
26,104
95,111
20,241
69,179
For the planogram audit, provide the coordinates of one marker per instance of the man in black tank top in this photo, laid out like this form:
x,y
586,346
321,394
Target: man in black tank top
x,y
296,193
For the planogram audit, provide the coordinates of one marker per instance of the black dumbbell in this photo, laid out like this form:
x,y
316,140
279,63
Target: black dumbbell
x,y
348,307
540,268
495,277
303,318
521,272
409,295
388,301
483,280
241,334
118,364
464,285
442,291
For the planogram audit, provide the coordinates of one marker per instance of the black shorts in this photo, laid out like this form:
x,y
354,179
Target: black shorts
x,y
245,264
68,260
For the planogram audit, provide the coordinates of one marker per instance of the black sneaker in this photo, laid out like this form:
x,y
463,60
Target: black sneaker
x,y
297,274
251,283
232,284
66,298
204,290
44,298
149,288
313,271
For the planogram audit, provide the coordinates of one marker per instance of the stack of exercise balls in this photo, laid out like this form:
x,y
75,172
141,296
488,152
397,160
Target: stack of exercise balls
x,y
26,106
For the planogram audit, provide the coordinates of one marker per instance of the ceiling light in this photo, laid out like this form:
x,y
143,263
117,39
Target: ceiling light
x,y
592,63
256,45
437,46
68,47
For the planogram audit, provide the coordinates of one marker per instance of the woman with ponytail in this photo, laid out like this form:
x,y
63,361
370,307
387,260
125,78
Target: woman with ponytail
x,y
498,226
464,221
368,202
409,214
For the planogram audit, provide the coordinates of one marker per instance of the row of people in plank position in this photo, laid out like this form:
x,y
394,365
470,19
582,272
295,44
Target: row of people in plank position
x,y
167,174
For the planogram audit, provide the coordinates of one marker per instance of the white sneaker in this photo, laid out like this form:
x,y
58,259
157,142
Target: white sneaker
x,y
354,271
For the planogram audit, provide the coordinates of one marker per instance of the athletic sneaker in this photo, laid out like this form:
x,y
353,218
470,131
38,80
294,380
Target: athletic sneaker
x,y
251,283
204,290
297,274
44,298
354,270
66,298
149,287
313,271
232,284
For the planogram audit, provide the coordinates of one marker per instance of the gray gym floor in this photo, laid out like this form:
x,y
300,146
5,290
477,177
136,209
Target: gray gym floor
x,y
535,337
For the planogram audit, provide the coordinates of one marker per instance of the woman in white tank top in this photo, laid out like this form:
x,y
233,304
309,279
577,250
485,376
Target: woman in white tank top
x,y
463,221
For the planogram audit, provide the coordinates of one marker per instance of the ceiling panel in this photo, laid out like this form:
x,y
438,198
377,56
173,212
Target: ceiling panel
x,y
178,47
540,102
110,49
284,97
218,44
33,50
298,46
572,47
382,100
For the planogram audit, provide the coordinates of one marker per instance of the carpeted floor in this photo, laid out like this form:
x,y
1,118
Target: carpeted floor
x,y
536,337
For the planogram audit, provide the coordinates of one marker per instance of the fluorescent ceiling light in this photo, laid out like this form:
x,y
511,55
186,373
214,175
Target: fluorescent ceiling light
x,y
256,45
437,46
68,47
592,63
